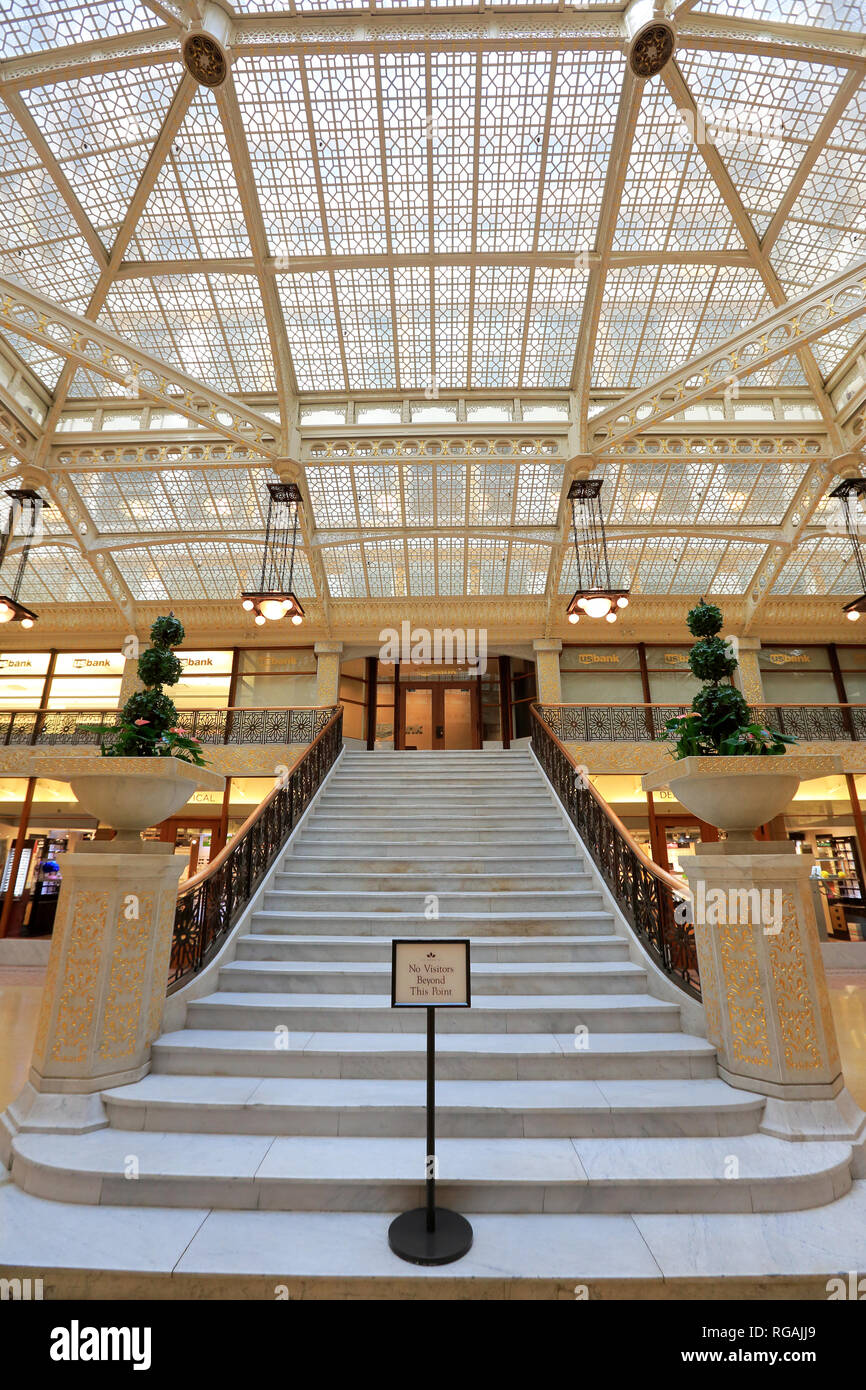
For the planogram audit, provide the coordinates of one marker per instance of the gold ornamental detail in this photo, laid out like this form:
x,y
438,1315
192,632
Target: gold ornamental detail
x,y
792,987
74,1025
124,1001
742,976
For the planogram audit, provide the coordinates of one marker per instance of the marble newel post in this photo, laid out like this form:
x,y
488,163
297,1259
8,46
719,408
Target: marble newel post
x,y
763,985
106,980
764,988
547,674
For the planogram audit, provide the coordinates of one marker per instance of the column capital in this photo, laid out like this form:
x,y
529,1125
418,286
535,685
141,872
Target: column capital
x,y
328,648
547,644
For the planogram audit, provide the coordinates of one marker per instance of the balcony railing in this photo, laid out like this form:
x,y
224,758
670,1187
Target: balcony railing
x,y
75,726
646,723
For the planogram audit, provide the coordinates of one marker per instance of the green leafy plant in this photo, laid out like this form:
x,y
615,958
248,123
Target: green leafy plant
x,y
752,740
149,720
720,721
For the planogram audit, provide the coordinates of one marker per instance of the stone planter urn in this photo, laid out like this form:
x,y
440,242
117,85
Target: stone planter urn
x,y
130,794
739,794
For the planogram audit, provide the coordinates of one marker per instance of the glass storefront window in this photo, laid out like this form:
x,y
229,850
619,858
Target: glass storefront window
x,y
670,680
93,692
22,679
23,693
797,676
276,678
353,698
85,680
601,676
385,706
206,679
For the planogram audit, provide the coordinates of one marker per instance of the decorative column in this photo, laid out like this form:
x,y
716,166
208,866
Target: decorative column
x,y
747,677
328,672
547,674
764,989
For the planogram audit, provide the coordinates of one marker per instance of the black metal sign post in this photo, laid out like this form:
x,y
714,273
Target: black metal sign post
x,y
430,975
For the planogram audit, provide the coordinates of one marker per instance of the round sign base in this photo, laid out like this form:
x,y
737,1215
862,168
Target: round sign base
x,y
409,1238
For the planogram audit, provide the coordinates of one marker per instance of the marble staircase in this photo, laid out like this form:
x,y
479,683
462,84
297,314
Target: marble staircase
x,y
568,1087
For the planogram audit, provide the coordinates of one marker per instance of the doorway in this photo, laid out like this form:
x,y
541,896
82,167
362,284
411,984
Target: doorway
x,y
439,714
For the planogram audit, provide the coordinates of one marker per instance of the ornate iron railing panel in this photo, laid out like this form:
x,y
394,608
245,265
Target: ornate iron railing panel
x,y
210,904
210,726
810,722
646,895
646,723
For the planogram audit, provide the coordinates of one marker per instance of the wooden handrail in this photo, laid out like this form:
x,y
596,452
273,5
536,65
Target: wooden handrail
x,y
257,811
677,885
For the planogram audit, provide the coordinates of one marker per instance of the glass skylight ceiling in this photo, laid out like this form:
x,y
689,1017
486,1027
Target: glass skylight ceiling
x,y
436,216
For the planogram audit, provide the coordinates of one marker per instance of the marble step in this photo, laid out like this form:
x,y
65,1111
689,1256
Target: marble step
x,y
447,924
464,1109
490,1013
296,875
504,818
530,795
270,946
478,1056
528,779
328,900
322,1173
489,978
365,839
450,859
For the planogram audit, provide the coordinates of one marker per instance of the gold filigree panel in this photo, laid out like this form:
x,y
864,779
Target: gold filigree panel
x,y
742,985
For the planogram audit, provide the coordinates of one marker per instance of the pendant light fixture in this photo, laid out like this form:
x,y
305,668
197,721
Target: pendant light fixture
x,y
594,596
26,509
847,492
274,598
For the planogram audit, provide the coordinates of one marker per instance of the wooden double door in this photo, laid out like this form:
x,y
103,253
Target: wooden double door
x,y
439,714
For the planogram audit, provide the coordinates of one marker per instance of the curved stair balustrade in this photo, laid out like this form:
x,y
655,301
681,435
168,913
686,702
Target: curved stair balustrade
x,y
647,894
211,902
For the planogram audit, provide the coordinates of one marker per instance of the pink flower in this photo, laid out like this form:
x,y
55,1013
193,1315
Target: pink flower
x,y
142,721
178,730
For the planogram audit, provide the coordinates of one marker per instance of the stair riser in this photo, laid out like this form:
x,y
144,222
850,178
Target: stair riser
x,y
287,900
359,1194
411,1066
409,1122
382,800
308,924
247,978
429,883
387,858
364,839
506,821
286,948
634,1018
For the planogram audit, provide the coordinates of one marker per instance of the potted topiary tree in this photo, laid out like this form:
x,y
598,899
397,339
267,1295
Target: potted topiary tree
x,y
715,744
156,765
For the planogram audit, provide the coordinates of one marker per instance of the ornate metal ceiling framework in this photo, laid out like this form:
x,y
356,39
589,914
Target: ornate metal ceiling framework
x,y
444,248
